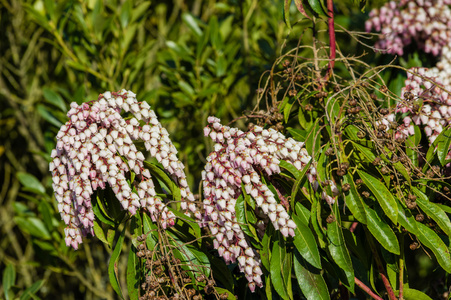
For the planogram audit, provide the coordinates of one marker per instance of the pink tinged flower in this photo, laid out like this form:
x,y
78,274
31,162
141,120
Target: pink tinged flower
x,y
251,286
249,252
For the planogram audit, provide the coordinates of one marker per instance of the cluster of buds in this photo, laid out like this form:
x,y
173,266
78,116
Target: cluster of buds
x,y
425,22
238,159
425,86
95,147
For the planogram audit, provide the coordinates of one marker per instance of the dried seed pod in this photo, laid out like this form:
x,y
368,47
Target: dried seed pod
x,y
346,187
411,205
330,219
209,289
419,217
358,181
329,152
412,197
141,246
341,172
408,96
377,161
385,170
382,127
384,111
224,296
383,89
365,194
352,102
361,134
414,246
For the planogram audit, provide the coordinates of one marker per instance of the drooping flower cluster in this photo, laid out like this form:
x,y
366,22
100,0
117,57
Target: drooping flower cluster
x,y
95,147
238,158
426,22
435,113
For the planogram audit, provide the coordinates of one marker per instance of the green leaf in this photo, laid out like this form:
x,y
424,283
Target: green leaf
x,y
189,221
313,141
433,211
286,12
443,145
305,243
353,200
30,182
370,156
310,281
382,231
46,211
278,256
54,98
99,233
133,268
338,251
161,175
230,295
33,226
29,292
240,212
383,195
411,294
301,9
149,229
113,265
192,24
317,7
406,220
9,279
431,240
47,115
290,168
191,258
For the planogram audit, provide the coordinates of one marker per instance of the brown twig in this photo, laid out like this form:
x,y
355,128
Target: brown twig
x,y
333,49
366,289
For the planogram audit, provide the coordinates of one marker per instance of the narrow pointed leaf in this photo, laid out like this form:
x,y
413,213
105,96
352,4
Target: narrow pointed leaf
x,y
305,243
310,281
382,231
113,265
383,195
431,240
433,211
353,200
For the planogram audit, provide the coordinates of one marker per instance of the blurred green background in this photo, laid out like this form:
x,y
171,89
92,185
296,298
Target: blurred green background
x,y
187,59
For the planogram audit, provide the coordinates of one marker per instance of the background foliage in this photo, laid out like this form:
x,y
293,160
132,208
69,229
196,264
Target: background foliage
x,y
188,59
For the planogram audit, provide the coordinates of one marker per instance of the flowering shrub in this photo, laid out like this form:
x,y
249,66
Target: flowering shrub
x,y
89,153
319,197
238,159
427,23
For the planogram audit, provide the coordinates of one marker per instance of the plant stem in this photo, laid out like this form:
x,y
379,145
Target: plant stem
x,y
391,294
366,289
333,49
401,267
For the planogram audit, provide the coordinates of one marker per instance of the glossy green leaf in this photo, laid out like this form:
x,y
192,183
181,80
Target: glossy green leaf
x,y
431,240
317,7
367,152
33,226
301,8
191,258
54,98
98,231
192,24
30,182
240,212
113,272
189,221
433,211
31,291
149,229
338,250
290,168
313,141
443,145
161,175
286,12
230,296
354,201
382,231
9,279
46,211
411,294
383,195
100,211
48,116
305,243
133,269
310,281
278,254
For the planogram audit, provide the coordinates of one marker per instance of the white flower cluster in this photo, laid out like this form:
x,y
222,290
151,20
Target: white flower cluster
x,y
435,113
96,147
238,158
427,22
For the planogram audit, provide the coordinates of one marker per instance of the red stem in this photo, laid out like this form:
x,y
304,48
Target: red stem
x,y
366,289
333,49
